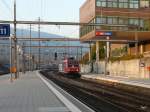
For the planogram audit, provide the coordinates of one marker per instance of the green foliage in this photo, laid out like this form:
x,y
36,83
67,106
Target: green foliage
x,y
102,53
93,52
85,59
94,56
147,25
119,51
126,57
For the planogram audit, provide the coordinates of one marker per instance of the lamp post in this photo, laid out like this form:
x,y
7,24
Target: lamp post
x,y
107,54
11,77
15,41
39,35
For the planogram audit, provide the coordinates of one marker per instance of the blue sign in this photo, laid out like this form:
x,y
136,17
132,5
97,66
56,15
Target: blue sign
x,y
108,33
4,30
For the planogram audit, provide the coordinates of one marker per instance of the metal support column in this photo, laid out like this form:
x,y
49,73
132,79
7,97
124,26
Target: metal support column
x,y
129,49
11,75
107,54
23,58
97,54
90,52
30,51
81,56
39,35
136,44
108,48
97,51
77,53
90,57
141,49
15,41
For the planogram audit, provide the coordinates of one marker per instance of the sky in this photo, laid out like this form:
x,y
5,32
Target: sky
x,y
47,10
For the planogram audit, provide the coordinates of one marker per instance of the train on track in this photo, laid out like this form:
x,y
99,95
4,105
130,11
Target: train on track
x,y
70,67
4,69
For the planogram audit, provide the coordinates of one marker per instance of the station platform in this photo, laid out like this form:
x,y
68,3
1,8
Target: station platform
x,y
144,83
34,93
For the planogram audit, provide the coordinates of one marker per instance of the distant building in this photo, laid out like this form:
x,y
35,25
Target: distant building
x,y
129,20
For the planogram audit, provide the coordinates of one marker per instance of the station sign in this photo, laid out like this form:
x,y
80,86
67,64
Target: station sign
x,y
4,30
101,33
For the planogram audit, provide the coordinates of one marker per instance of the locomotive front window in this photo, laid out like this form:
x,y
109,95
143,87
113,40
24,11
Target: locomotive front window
x,y
69,65
72,63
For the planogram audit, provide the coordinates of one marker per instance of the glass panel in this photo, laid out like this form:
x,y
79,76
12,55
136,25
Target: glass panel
x,y
123,0
142,23
144,3
133,21
100,3
104,20
123,5
115,20
112,3
134,4
98,20
101,20
123,21
110,20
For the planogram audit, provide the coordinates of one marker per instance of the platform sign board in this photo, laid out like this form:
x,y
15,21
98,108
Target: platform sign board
x,y
101,33
4,30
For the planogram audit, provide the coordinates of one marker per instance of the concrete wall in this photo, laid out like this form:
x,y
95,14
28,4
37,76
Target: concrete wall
x,y
125,68
132,68
85,68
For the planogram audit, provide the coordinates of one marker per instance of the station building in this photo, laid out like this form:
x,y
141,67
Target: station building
x,y
126,19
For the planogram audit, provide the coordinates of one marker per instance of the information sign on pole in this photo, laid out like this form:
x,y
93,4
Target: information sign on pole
x,y
4,30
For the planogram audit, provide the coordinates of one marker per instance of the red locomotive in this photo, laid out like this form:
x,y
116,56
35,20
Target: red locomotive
x,y
70,67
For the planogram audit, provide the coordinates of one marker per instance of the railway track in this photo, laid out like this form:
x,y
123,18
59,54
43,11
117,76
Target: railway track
x,y
101,97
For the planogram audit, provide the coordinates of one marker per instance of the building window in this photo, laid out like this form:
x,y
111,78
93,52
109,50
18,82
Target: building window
x,y
101,20
98,20
104,20
141,23
134,23
112,3
109,20
123,3
133,3
112,20
144,4
122,21
101,3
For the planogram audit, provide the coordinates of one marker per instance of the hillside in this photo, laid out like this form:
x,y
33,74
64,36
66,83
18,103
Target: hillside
x,y
26,33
